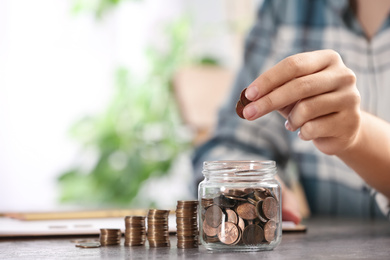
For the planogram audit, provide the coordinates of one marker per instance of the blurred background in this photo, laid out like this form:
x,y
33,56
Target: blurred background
x,y
103,101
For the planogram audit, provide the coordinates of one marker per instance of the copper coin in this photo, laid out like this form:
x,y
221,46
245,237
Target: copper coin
x,y
207,202
110,231
228,233
191,202
253,235
240,110
270,207
159,244
213,216
208,230
224,201
134,244
233,198
135,218
211,239
244,101
241,223
270,230
259,211
247,211
237,192
231,216
260,194
249,190
252,201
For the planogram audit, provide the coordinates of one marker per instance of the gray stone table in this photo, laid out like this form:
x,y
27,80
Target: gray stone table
x,y
325,239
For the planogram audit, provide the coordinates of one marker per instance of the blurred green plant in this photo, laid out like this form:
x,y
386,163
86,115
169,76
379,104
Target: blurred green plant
x,y
98,7
137,137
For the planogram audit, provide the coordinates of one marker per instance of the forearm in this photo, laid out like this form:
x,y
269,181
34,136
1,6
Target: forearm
x,y
370,155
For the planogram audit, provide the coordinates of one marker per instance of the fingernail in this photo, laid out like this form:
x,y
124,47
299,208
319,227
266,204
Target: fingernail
x,y
251,93
287,125
250,111
300,135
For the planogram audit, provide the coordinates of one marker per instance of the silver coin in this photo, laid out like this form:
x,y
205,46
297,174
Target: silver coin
x,y
88,245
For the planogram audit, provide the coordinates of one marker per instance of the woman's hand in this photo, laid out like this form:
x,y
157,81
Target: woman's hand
x,y
315,92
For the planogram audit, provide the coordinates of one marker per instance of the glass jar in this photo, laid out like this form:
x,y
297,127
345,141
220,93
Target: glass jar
x,y
240,206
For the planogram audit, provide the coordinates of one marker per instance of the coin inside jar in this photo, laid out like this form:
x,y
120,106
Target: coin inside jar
x,y
241,223
208,230
228,233
270,207
247,211
213,216
253,235
231,216
269,230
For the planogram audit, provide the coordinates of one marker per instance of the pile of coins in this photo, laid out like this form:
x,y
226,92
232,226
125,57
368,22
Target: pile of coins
x,y
242,102
187,224
248,217
158,233
135,232
109,237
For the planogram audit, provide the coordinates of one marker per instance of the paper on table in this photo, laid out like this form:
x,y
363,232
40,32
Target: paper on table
x,y
17,228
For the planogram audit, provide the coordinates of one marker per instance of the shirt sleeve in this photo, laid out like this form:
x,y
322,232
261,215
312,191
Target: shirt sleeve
x,y
239,139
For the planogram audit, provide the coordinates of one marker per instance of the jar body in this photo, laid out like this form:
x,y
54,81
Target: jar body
x,y
240,206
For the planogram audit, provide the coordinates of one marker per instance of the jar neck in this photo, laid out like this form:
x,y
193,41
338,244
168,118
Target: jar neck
x,y
239,170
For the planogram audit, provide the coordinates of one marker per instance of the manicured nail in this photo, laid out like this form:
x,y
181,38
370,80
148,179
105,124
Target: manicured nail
x,y
250,111
251,93
287,125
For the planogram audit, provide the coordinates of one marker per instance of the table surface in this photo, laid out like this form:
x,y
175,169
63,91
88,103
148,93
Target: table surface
x,y
325,239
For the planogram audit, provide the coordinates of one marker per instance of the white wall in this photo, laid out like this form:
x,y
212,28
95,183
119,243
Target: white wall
x,y
56,67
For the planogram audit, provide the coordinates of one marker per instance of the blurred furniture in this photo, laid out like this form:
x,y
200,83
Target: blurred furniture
x,y
200,91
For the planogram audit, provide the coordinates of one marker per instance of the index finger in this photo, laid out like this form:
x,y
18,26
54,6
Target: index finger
x,y
294,66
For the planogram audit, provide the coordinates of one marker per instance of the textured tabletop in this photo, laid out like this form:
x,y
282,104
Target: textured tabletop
x,y
324,239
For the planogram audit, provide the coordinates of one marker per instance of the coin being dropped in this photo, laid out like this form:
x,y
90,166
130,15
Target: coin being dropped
x,y
88,245
244,101
240,110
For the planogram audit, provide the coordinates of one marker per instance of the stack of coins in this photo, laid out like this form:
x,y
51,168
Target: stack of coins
x,y
135,232
248,217
109,237
158,234
187,224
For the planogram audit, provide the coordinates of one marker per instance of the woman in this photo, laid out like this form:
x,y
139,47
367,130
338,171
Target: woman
x,y
318,74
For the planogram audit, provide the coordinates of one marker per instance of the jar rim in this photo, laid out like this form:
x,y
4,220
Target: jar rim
x,y
239,168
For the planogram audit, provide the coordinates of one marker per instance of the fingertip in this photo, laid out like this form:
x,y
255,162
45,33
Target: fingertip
x,y
250,111
289,215
251,93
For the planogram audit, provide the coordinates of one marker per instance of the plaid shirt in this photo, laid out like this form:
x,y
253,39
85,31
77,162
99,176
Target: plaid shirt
x,y
284,28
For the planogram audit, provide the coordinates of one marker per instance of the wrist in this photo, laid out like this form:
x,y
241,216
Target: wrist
x,y
356,140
